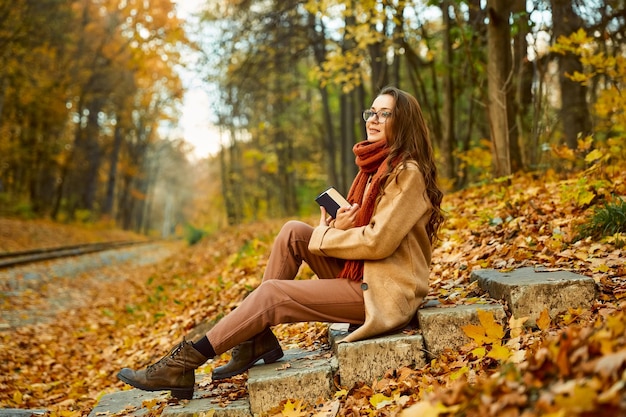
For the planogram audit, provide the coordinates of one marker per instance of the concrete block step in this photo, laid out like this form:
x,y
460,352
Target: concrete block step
x,y
442,326
133,400
368,360
207,407
299,375
119,401
530,291
19,412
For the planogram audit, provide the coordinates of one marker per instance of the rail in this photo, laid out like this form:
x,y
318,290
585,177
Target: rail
x,y
10,259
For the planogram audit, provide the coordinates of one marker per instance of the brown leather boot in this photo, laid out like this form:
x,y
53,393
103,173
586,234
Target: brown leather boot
x,y
174,372
262,346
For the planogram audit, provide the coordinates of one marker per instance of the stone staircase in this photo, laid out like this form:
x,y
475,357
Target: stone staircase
x,y
310,376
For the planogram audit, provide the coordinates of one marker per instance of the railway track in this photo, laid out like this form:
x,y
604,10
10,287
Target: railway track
x,y
11,259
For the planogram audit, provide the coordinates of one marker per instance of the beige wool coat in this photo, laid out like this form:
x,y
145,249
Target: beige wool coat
x,y
396,251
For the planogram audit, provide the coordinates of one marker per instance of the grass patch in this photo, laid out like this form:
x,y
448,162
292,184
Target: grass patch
x,y
607,220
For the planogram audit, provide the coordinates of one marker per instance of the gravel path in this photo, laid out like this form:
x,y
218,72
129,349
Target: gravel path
x,y
34,293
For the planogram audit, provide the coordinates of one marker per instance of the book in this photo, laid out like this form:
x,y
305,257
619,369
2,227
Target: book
x,y
331,200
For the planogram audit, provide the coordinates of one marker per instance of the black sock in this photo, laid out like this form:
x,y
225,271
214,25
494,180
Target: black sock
x,y
204,346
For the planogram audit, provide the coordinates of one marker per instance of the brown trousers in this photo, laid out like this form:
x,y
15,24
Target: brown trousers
x,y
281,299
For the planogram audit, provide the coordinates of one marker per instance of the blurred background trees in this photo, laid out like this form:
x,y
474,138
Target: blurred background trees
x,y
90,90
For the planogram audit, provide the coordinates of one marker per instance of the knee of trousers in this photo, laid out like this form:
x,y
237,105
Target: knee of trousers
x,y
295,229
271,293
268,303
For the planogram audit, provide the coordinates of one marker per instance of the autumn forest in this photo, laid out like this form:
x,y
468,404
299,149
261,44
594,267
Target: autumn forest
x,y
91,94
525,105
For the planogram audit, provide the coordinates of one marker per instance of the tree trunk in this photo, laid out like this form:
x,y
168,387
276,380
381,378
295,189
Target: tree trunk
x,y
574,112
107,207
225,182
448,139
523,70
499,71
92,155
348,116
318,44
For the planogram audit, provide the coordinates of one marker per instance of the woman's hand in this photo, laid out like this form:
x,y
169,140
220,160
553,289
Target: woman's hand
x,y
325,219
346,217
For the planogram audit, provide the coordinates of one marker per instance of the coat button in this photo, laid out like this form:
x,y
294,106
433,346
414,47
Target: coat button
x,y
363,286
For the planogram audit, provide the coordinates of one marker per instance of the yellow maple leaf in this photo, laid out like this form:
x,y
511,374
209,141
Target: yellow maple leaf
x,y
477,333
489,331
543,322
499,352
293,409
493,329
380,400
479,352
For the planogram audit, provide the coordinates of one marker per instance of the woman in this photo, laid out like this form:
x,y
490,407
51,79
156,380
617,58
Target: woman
x,y
373,260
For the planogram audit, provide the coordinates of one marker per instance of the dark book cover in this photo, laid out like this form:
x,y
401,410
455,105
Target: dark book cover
x,y
331,200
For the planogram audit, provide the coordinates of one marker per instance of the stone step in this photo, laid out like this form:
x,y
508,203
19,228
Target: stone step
x,y
207,407
133,401
442,327
18,412
530,291
368,360
299,375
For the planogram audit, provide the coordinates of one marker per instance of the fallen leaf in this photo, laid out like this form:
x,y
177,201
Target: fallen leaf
x,y
379,401
517,326
493,329
543,322
341,393
424,409
499,352
582,398
610,365
476,333
294,409
330,409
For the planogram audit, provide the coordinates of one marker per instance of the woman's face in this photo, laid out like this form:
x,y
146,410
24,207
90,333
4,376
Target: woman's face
x,y
375,127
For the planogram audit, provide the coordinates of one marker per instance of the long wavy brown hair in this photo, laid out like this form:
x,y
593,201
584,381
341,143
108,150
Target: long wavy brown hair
x,y
409,139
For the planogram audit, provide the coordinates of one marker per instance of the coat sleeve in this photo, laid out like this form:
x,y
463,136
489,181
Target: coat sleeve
x,y
401,206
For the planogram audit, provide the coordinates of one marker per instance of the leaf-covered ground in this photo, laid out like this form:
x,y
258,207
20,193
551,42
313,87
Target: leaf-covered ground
x,y
571,366
18,235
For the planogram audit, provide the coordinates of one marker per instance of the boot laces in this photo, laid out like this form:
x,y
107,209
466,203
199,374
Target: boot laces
x,y
172,354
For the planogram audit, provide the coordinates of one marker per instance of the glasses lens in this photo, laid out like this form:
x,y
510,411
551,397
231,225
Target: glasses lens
x,y
381,116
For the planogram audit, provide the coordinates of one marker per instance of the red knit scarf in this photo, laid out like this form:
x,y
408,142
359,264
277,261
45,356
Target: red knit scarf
x,y
369,158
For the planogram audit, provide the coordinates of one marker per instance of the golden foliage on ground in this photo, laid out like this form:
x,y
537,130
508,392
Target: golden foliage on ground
x,y
568,366
19,235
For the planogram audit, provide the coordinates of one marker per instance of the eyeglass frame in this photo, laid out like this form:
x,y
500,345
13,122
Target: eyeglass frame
x,y
368,114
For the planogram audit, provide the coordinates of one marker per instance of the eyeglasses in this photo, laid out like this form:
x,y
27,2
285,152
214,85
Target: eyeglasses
x,y
381,115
